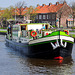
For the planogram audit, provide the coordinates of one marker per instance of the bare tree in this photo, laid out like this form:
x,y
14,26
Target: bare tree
x,y
72,5
20,6
1,18
73,17
31,11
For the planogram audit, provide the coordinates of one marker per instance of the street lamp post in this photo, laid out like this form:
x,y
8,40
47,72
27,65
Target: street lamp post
x,y
15,15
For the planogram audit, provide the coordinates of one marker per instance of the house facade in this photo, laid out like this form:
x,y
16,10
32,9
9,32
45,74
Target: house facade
x,y
54,14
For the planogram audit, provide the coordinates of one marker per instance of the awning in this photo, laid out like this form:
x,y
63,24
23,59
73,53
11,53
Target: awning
x,y
70,19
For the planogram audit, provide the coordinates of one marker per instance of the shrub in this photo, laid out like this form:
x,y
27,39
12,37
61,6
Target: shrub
x,y
73,27
53,26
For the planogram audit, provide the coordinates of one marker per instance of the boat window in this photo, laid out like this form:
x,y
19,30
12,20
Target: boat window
x,y
15,28
23,28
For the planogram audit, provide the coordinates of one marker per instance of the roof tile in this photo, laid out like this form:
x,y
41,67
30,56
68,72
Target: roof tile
x,y
48,9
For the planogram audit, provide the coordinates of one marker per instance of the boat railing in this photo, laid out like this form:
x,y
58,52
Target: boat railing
x,y
40,33
26,34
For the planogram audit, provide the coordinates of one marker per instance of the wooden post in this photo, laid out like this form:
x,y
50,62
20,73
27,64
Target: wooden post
x,y
59,22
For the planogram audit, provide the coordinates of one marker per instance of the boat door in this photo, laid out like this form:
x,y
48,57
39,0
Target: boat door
x,y
24,32
46,26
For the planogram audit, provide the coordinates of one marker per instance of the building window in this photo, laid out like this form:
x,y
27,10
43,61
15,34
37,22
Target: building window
x,y
44,16
53,16
53,22
70,23
40,16
36,16
25,18
47,17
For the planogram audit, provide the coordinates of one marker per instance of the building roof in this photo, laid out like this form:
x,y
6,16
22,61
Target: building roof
x,y
48,8
51,8
1,12
44,8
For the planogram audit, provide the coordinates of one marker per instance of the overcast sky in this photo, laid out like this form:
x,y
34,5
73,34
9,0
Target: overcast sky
x,y
7,3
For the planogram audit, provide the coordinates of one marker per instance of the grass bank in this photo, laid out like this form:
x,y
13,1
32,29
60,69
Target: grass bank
x,y
3,28
71,31
3,31
73,35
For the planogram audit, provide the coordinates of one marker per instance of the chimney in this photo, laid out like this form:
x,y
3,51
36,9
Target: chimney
x,y
38,5
64,2
57,3
43,5
50,4
25,7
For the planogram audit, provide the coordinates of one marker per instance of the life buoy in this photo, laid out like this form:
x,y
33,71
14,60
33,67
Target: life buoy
x,y
66,31
33,33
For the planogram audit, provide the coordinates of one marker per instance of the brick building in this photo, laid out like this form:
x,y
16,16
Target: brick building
x,y
54,14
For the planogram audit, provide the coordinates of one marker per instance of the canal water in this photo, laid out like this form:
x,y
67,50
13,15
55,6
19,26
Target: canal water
x,y
14,63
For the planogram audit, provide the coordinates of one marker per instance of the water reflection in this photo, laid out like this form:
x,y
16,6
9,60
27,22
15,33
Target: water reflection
x,y
51,67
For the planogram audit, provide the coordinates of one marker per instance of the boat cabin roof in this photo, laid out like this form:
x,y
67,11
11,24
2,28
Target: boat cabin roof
x,y
31,24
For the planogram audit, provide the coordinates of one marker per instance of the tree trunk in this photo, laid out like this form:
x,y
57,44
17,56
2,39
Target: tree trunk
x,y
59,22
